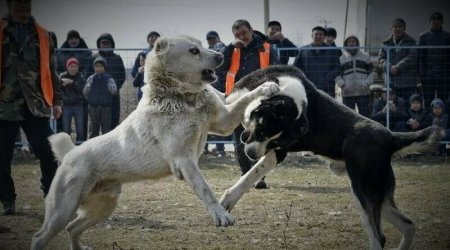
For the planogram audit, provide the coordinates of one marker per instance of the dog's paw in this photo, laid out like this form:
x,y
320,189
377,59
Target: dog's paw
x,y
270,88
228,200
221,217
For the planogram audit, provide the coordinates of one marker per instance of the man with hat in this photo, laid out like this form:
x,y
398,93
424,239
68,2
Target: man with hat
x,y
214,43
320,65
116,68
434,63
151,39
278,40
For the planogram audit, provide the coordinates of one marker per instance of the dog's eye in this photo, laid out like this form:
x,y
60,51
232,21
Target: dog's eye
x,y
194,51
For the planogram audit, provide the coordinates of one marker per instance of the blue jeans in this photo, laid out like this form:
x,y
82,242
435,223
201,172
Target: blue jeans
x,y
75,111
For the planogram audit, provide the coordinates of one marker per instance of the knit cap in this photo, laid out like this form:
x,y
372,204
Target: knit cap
x,y
72,60
415,97
437,102
100,60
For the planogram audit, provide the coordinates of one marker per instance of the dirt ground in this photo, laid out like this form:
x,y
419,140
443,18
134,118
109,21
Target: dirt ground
x,y
306,207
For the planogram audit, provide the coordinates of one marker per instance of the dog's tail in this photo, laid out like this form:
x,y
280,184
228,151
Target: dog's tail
x,y
420,141
61,144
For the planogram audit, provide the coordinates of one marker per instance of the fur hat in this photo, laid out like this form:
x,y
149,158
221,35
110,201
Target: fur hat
x,y
107,37
100,60
72,60
415,97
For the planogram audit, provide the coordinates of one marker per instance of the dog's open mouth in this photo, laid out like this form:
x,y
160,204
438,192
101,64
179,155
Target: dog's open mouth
x,y
209,75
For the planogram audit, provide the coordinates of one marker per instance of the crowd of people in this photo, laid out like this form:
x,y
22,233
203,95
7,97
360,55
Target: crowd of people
x,y
88,84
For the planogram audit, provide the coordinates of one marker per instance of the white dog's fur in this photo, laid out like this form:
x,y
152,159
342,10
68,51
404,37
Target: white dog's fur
x,y
165,135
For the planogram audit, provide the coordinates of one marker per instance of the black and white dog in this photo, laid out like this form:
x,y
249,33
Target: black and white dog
x,y
303,118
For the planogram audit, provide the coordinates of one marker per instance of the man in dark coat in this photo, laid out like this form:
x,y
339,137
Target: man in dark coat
x,y
116,69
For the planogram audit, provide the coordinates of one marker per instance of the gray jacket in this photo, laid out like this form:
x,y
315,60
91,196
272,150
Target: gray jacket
x,y
356,74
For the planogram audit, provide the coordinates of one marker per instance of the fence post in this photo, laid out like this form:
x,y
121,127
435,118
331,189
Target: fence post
x,y
387,83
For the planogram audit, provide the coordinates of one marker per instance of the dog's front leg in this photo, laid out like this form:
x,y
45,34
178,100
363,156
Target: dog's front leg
x,y
231,115
260,169
190,172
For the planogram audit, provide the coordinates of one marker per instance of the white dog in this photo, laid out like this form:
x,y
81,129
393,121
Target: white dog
x,y
164,135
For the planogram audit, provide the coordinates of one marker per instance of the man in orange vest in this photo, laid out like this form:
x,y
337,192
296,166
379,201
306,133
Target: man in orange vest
x,y
249,51
29,93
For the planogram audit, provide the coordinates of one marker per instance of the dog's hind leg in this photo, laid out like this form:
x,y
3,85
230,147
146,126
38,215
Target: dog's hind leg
x,y
405,225
260,169
61,205
372,222
98,206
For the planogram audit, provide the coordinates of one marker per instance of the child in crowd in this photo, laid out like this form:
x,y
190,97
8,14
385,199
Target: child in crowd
x,y
417,116
440,118
72,87
99,91
139,79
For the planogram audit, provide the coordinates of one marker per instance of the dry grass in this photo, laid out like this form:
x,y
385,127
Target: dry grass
x,y
306,207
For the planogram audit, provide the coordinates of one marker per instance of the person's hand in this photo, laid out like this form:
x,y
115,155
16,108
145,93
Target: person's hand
x,y
238,43
414,124
279,36
141,69
394,69
392,107
57,111
66,81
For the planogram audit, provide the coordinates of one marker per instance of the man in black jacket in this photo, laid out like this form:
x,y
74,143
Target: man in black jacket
x,y
434,63
253,51
116,69
278,41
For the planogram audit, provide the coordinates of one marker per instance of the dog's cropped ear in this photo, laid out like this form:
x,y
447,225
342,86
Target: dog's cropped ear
x,y
161,45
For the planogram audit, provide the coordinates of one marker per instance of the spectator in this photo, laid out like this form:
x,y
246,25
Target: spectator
x,y
151,39
321,66
74,46
440,118
54,39
330,37
397,110
99,91
30,93
356,76
139,79
247,53
417,118
116,69
214,43
402,61
72,86
277,40
435,62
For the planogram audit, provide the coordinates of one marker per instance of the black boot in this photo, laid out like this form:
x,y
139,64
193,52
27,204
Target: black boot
x,y
9,208
261,184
